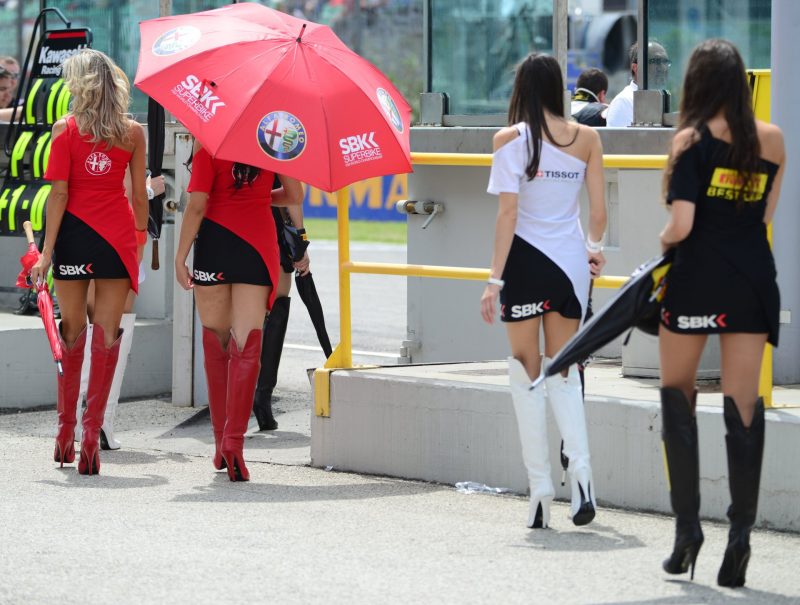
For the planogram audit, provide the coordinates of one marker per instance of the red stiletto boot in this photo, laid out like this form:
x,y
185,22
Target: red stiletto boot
x,y
216,364
101,373
68,385
242,376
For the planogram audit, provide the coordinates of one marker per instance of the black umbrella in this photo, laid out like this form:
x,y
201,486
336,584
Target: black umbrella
x,y
636,305
308,293
296,244
155,156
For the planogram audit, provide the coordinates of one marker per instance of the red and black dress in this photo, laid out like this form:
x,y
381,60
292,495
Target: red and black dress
x,y
723,278
97,236
234,243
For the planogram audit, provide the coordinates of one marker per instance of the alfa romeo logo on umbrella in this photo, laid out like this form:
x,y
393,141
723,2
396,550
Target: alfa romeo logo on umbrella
x,y
176,40
281,135
390,109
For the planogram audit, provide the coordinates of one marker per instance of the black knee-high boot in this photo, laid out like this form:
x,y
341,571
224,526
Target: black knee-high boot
x,y
679,434
271,347
745,452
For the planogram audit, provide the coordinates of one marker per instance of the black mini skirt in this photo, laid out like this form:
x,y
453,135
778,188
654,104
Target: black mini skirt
x,y
80,253
222,257
535,285
718,300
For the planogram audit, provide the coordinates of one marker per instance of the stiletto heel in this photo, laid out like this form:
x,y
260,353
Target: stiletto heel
x,y
65,449
734,564
586,510
539,514
89,462
237,471
688,540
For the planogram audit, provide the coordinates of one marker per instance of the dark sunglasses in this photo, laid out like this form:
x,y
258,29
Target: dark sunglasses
x,y
661,62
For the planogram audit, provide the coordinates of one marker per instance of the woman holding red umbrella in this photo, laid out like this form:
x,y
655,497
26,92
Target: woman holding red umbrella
x,y
722,183
541,270
234,274
92,234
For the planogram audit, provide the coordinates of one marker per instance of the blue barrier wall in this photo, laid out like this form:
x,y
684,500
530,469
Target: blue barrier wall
x,y
371,200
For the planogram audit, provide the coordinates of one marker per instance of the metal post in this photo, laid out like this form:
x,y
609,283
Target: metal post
x,y
785,95
641,37
182,300
560,42
343,226
560,35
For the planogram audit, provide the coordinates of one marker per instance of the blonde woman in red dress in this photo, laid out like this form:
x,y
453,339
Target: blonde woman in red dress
x,y
92,233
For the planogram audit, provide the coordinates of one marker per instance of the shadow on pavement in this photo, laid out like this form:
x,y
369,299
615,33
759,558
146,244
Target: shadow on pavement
x,y
221,489
127,456
104,481
702,593
595,538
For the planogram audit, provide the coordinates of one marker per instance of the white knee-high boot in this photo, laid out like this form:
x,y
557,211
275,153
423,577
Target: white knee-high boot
x,y
87,362
566,401
107,440
531,411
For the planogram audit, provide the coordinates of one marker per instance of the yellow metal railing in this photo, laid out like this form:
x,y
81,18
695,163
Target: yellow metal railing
x,y
342,356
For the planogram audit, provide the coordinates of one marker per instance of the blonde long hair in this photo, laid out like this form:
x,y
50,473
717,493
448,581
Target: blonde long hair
x,y
100,96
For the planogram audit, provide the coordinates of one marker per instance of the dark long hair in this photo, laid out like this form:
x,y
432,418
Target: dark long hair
x,y
538,87
716,80
244,174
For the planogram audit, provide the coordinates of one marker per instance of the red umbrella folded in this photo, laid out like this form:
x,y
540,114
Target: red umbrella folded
x,y
258,86
45,304
43,299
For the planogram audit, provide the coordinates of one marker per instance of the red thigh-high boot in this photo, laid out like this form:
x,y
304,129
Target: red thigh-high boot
x,y
68,385
101,373
216,364
242,376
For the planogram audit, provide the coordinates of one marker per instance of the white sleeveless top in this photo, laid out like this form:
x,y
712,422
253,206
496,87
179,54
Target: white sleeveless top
x,y
548,213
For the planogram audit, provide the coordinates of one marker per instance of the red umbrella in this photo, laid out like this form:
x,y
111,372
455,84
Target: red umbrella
x,y
43,299
45,304
258,86
27,260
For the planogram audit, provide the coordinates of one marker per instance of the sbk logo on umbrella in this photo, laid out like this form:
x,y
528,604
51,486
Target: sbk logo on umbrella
x,y
360,148
198,96
281,135
176,40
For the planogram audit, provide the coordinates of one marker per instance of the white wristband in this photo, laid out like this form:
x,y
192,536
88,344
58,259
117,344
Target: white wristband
x,y
150,193
594,247
496,282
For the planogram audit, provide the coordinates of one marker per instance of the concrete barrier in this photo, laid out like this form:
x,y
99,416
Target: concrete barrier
x,y
455,422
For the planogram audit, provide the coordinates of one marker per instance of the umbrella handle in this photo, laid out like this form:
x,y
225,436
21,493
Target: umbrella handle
x,y
28,228
154,265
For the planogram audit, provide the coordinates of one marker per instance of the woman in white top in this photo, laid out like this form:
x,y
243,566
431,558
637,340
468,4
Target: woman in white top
x,y
541,269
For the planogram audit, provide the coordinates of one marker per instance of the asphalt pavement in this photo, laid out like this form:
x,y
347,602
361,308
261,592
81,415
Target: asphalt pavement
x,y
159,525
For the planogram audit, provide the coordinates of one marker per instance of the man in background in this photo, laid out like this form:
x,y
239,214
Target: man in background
x,y
620,111
589,100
